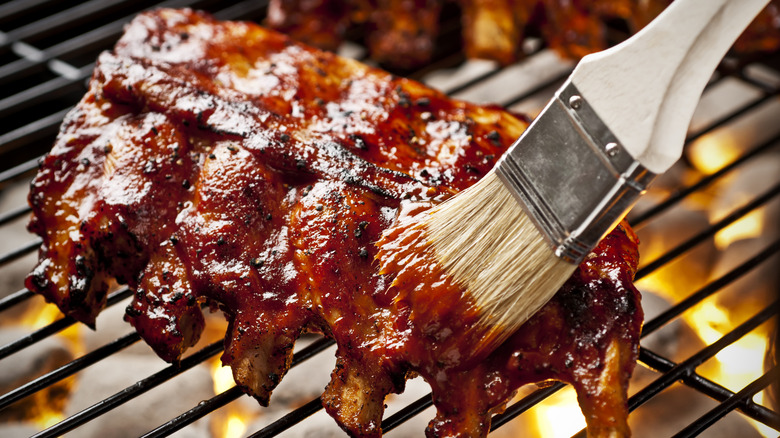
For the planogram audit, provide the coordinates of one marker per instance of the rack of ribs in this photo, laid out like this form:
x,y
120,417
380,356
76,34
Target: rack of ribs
x,y
223,165
404,33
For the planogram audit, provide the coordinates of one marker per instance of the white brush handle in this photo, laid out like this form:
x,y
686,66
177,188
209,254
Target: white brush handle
x,y
646,88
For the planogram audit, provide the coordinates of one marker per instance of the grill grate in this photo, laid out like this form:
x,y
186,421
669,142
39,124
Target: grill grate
x,y
47,57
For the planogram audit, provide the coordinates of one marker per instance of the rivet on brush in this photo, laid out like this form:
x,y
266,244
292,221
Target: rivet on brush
x,y
575,102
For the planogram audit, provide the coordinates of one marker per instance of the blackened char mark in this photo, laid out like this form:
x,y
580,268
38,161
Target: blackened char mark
x,y
342,164
190,100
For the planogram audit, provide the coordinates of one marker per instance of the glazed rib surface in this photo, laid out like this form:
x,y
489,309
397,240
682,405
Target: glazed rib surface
x,y
222,164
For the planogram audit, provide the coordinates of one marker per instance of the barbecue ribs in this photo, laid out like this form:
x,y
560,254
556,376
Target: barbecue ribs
x,y
404,33
222,164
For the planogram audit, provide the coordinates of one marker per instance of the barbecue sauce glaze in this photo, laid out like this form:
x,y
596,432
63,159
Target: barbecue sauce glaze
x,y
222,164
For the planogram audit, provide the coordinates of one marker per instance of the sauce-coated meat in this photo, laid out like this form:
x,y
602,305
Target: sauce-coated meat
x,y
404,33
222,163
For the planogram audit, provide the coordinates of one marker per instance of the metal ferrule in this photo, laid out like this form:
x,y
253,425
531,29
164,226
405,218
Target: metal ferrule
x,y
572,176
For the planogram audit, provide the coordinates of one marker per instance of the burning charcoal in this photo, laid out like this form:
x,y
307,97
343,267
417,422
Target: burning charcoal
x,y
26,365
145,412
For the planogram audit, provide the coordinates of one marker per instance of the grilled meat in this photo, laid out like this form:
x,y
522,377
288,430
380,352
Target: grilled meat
x,y
222,164
402,33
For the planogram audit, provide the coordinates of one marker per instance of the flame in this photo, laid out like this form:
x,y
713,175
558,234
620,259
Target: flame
x,y
548,414
233,422
46,419
712,152
41,315
223,377
738,364
235,426
750,225
741,362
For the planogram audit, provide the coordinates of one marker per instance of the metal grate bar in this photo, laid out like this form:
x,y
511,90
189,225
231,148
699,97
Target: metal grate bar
x,y
707,387
11,9
13,214
688,366
696,297
703,182
244,10
55,327
216,402
44,92
695,240
290,419
547,83
32,132
739,112
131,392
20,251
15,298
406,413
525,404
68,369
730,404
55,23
102,36
18,171
766,88
199,411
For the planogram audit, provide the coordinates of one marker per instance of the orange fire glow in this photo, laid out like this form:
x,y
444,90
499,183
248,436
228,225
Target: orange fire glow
x,y
548,414
741,362
47,419
714,151
233,422
738,364
746,227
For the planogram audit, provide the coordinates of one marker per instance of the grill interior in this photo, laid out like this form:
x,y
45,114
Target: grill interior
x,y
47,51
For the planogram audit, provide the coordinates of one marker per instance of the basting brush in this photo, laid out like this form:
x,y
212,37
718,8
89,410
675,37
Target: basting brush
x,y
620,119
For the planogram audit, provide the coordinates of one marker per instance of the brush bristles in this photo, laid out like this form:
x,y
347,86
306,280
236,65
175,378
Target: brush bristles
x,y
489,245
